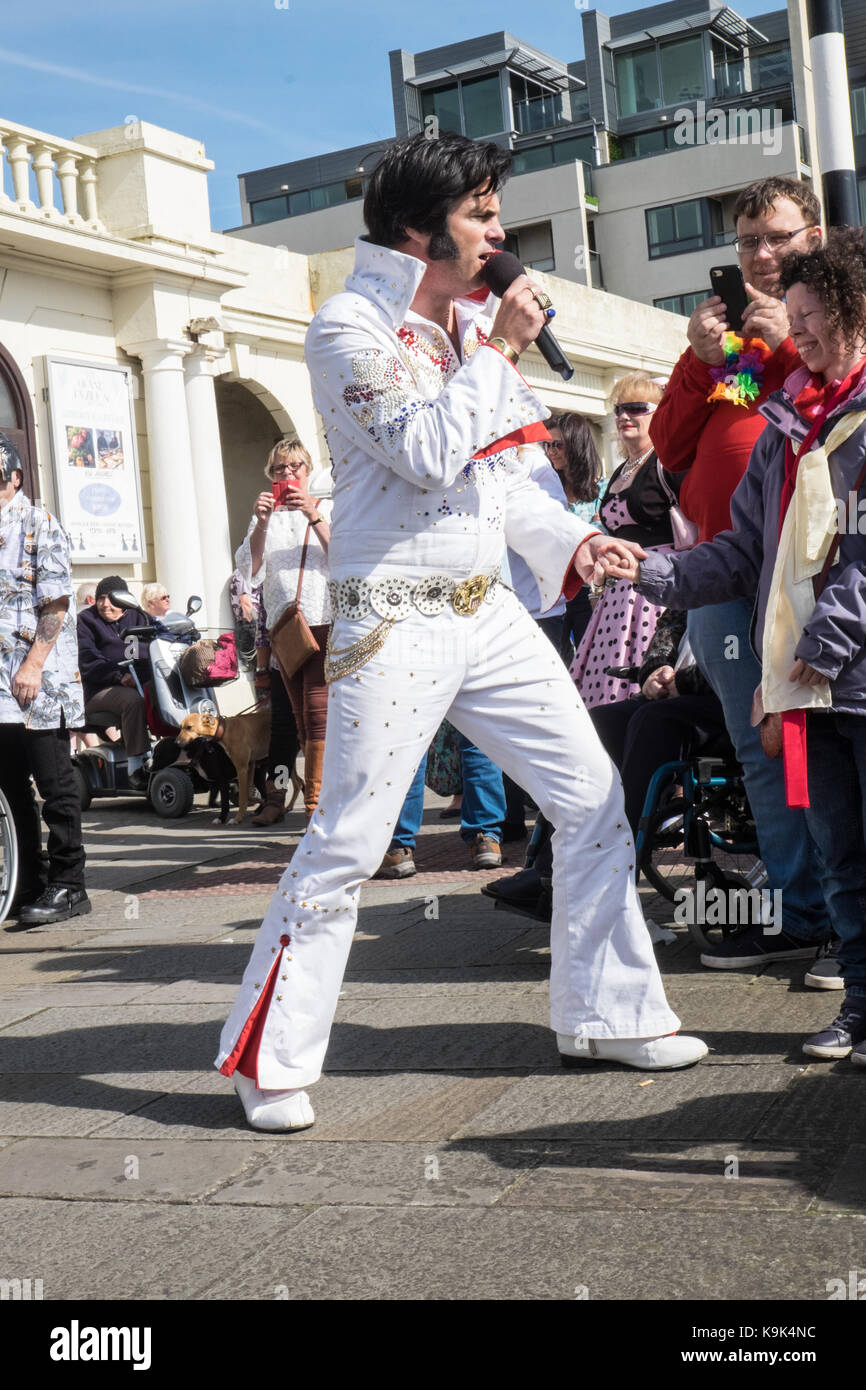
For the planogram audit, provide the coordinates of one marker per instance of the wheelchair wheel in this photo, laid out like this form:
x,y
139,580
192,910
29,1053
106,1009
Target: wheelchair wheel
x,y
663,864
8,858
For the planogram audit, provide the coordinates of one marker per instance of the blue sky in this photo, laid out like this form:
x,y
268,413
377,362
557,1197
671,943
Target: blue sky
x,y
255,83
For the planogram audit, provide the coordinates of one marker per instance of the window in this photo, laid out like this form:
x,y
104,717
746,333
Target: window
x,y
482,106
682,66
773,67
532,245
682,227
580,105
299,202
444,104
684,304
269,209
729,70
535,107
472,108
537,157
861,189
646,142
637,81
858,110
575,147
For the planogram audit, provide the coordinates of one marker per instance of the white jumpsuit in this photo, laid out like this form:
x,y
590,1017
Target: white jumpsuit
x,y
406,421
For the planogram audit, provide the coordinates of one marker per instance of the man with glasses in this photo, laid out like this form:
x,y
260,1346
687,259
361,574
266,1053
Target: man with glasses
x,y
711,443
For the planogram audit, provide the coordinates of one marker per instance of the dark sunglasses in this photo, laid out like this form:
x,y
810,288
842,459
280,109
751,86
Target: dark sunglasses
x,y
548,444
633,408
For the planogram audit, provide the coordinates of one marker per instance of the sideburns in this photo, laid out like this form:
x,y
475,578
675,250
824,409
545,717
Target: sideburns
x,y
443,247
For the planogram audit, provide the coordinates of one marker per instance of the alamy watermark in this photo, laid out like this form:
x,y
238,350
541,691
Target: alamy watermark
x,y
729,907
734,125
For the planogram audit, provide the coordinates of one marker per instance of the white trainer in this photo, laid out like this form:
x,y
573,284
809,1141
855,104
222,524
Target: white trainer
x,y
280,1111
647,1054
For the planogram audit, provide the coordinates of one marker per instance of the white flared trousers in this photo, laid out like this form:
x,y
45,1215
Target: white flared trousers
x,y
497,678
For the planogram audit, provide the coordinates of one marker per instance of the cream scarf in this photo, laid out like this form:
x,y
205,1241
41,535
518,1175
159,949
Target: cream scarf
x,y
810,524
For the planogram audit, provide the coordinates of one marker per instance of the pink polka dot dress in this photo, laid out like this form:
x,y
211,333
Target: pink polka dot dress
x,y
621,627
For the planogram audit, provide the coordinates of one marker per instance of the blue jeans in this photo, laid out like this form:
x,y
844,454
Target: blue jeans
x,y
482,809
719,637
836,818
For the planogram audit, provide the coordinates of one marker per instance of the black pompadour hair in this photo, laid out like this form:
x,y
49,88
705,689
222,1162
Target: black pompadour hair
x,y
419,179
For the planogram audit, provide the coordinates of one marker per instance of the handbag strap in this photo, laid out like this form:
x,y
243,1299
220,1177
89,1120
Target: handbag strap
x,y
671,495
303,562
818,584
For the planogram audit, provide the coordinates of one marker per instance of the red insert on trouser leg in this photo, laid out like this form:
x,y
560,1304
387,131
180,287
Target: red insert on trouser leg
x,y
244,1056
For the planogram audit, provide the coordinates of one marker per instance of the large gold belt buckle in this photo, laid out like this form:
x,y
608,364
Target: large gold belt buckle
x,y
469,594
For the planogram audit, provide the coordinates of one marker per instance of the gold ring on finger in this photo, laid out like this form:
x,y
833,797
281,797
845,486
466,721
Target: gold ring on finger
x,y
543,300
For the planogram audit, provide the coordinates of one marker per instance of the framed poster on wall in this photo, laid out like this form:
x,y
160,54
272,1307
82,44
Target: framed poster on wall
x,y
96,477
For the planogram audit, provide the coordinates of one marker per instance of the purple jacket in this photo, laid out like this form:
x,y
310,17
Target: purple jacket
x,y
739,563
101,645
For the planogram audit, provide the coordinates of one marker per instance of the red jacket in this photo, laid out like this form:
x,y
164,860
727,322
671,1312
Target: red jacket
x,y
712,443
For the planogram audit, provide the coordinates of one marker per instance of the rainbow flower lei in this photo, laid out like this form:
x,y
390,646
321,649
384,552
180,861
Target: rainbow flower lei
x,y
739,380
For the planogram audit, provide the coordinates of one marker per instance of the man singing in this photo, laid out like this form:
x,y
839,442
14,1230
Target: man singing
x,y
432,432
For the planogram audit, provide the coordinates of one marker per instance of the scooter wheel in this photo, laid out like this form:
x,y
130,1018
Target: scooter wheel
x,y
170,793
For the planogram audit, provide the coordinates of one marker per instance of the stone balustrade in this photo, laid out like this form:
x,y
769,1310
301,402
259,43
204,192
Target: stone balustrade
x,y
75,169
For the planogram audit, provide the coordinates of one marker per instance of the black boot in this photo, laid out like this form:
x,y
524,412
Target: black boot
x,y
56,904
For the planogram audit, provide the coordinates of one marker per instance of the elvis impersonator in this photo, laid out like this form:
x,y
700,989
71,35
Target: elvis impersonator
x,y
432,431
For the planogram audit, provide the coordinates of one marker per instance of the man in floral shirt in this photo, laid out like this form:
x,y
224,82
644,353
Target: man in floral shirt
x,y
40,700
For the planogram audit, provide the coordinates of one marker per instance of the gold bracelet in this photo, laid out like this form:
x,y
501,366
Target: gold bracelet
x,y
503,347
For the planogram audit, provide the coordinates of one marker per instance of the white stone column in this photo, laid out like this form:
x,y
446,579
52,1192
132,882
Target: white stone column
x,y
210,488
176,531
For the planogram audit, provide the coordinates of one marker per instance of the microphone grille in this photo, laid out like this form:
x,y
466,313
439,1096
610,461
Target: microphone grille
x,y
500,271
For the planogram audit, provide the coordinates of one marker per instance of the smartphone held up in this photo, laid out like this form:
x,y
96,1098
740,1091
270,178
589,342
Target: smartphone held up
x,y
280,488
727,282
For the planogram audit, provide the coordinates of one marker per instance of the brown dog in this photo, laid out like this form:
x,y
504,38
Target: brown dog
x,y
245,738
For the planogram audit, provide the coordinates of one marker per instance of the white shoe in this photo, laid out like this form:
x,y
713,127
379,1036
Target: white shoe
x,y
281,1111
647,1054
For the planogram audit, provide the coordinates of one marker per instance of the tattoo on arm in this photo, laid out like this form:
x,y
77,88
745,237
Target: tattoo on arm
x,y
48,626
49,623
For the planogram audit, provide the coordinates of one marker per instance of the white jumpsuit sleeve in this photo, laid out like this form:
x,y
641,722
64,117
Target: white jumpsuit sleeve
x,y
366,394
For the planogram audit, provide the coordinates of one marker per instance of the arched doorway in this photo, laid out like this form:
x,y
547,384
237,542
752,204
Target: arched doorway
x,y
16,419
248,431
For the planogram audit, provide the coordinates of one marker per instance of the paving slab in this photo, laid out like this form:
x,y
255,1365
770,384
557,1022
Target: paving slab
x,y
826,1103
449,983
139,1038
174,1170
374,1174
616,1177
33,1103
133,1250
697,1105
746,1020
847,1188
77,994
400,1107
500,1253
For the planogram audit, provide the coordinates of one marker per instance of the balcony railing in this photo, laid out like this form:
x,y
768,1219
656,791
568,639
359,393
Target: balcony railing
x,y
538,113
40,169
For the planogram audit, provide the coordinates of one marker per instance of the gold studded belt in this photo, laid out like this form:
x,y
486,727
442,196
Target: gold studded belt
x,y
393,599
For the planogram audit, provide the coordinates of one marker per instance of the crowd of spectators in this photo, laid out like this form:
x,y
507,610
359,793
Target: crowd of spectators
x,y
732,483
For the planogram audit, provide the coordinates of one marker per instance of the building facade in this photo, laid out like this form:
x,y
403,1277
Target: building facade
x,y
627,163
148,364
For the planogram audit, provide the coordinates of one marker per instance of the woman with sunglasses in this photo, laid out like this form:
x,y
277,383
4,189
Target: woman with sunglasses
x,y
571,451
636,507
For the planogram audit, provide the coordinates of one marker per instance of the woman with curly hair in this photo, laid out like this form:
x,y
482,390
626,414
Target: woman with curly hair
x,y
798,541
636,507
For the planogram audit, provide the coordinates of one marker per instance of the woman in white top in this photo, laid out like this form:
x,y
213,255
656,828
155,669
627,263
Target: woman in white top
x,y
271,556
